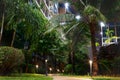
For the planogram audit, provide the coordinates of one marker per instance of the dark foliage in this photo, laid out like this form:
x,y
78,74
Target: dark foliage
x,y
10,60
109,59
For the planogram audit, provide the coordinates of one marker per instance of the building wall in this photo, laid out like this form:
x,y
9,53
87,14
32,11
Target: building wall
x,y
114,29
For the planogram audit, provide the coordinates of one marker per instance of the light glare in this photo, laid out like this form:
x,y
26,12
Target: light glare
x,y
101,33
37,66
66,5
78,17
90,61
102,24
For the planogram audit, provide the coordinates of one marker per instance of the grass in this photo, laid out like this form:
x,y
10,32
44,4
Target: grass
x,y
102,77
26,77
94,78
106,78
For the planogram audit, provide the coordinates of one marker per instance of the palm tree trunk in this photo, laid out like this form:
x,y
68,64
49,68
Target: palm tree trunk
x,y
13,38
2,25
94,51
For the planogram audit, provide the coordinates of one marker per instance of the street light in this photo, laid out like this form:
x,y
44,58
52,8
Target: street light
x,y
77,17
50,69
66,5
36,66
58,70
102,24
90,62
46,72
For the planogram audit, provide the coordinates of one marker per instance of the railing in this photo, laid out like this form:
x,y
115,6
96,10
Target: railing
x,y
113,41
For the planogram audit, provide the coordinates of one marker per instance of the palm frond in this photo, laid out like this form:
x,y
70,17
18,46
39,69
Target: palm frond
x,y
93,12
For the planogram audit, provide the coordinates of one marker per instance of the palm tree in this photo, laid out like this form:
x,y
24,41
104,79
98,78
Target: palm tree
x,y
93,15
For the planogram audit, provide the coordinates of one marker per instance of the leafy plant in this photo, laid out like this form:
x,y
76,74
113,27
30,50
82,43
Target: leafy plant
x,y
10,59
110,37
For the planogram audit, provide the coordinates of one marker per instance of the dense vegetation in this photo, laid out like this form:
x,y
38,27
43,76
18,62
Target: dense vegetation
x,y
64,47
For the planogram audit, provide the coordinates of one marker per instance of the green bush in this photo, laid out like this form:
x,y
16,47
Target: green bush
x,y
68,68
10,60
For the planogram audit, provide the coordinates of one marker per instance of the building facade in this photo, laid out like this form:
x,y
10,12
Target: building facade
x,y
110,33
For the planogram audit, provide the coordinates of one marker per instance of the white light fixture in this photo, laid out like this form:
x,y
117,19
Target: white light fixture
x,y
102,24
58,70
101,33
66,5
77,17
50,69
46,60
37,66
90,61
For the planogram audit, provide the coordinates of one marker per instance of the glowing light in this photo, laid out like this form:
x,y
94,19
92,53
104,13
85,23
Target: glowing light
x,y
50,69
101,33
90,61
37,66
78,17
58,70
46,60
102,24
66,5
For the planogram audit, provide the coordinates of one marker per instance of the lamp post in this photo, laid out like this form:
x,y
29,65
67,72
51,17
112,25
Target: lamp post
x,y
37,67
50,69
46,72
90,62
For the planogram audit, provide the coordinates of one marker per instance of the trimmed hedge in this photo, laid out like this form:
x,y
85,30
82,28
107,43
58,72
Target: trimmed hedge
x,y
10,59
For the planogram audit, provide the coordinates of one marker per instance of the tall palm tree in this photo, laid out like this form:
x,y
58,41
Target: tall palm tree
x,y
93,15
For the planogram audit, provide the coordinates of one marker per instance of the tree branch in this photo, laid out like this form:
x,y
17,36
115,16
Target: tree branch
x,y
83,3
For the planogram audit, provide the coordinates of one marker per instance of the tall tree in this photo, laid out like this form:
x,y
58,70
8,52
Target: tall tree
x,y
2,15
11,17
91,16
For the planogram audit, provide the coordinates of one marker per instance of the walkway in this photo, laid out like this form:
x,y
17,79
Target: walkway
x,y
58,77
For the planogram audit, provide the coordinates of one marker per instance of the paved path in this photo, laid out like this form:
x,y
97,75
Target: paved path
x,y
57,77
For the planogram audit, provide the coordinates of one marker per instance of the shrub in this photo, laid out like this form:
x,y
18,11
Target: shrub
x,y
10,59
68,68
